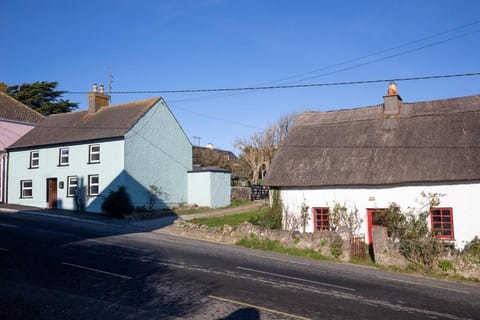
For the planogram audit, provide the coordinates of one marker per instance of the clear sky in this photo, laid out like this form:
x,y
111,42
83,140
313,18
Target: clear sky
x,y
203,44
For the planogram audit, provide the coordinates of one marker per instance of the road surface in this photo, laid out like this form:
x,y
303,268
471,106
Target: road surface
x,y
54,268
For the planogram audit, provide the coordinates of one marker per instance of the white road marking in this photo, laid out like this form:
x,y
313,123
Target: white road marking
x,y
298,279
425,285
96,270
9,225
3,249
259,308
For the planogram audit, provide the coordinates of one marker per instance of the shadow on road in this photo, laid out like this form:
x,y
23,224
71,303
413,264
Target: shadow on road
x,y
241,314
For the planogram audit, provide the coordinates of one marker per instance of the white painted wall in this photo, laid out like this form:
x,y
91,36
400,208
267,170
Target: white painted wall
x,y
210,189
461,197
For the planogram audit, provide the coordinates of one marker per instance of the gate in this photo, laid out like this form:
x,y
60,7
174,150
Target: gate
x,y
357,246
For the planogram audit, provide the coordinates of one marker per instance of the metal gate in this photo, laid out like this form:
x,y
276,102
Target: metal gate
x,y
357,246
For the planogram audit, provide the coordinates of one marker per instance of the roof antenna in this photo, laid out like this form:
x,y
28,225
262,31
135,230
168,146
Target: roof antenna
x,y
196,140
110,81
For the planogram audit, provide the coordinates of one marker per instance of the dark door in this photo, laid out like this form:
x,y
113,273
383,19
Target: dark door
x,y
52,192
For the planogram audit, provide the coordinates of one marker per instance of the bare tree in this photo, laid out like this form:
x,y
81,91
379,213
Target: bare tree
x,y
257,150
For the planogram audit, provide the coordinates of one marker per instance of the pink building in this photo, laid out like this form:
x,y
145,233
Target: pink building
x,y
16,119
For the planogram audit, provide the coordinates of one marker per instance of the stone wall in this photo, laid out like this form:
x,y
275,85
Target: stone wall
x,y
241,193
318,241
386,253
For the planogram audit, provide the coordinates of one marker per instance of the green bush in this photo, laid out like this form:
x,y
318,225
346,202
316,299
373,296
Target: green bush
x,y
445,265
336,247
117,204
272,219
472,250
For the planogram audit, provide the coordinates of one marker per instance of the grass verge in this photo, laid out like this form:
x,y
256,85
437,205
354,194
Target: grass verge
x,y
232,220
275,246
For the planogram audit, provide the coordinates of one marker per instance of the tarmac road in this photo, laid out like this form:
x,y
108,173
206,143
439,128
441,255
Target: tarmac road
x,y
54,268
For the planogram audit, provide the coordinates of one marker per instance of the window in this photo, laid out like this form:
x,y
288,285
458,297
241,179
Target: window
x,y
72,184
94,153
63,157
321,218
442,223
34,159
26,188
93,188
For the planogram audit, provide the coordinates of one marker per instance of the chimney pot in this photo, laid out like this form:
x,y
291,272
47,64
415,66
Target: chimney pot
x,y
94,87
392,102
102,89
392,89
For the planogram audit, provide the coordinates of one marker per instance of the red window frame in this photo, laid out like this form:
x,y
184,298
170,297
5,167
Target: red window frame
x,y
321,218
441,223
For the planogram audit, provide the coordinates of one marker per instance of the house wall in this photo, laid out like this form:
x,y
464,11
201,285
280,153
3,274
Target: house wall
x,y
461,197
9,133
110,171
157,152
210,189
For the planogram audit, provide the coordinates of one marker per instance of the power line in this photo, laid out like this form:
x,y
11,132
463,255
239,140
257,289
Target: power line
x,y
359,58
310,85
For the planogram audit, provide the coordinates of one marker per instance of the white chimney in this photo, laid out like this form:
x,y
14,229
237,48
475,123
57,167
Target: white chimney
x,y
392,102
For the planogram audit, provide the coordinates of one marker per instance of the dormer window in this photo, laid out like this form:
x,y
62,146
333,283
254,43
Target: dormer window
x,y
94,153
63,157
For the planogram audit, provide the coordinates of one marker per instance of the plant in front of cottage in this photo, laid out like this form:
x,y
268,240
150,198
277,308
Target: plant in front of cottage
x,y
117,204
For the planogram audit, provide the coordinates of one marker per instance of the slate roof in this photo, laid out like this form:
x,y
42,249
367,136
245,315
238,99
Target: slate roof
x,y
13,110
432,141
73,127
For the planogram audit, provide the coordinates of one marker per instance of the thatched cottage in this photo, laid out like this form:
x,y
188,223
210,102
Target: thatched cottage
x,y
370,157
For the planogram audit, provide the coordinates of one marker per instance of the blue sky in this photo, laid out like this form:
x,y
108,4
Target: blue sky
x,y
174,45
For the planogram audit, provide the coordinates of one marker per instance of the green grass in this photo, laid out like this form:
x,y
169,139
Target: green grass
x,y
232,220
275,246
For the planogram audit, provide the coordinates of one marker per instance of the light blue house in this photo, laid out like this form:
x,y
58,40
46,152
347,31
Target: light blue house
x,y
74,159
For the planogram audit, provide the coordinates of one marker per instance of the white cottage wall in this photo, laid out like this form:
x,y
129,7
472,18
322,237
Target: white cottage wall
x,y
461,197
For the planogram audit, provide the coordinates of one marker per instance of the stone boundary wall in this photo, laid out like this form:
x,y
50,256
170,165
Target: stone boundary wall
x,y
386,253
385,250
318,241
241,193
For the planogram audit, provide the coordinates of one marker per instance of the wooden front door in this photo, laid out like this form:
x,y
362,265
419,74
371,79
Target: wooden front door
x,y
52,192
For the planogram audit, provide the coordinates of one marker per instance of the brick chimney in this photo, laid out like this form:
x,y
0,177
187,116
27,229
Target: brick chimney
x,y
3,87
97,99
392,102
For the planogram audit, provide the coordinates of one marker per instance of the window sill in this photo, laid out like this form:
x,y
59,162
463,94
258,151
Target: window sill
x,y
33,168
62,165
97,162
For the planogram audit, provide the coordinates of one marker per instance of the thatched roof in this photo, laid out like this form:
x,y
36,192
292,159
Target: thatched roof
x,y
73,127
13,110
433,141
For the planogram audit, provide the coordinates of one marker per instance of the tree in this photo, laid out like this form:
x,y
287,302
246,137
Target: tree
x,y
42,97
258,149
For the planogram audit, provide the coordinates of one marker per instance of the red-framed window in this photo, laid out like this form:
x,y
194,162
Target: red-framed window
x,y
321,218
441,220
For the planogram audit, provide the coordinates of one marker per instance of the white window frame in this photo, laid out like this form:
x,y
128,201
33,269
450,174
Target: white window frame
x,y
62,156
72,181
92,184
34,158
24,188
92,153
